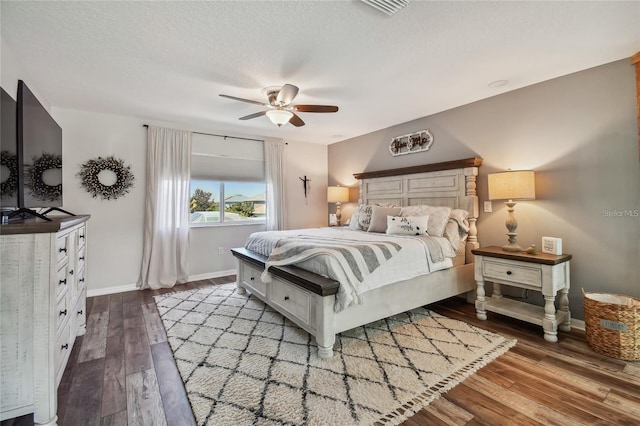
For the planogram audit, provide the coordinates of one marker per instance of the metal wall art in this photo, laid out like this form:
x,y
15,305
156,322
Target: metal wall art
x,y
411,143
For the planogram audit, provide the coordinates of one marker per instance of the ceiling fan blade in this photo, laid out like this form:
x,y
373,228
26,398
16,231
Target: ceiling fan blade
x,y
286,94
244,100
296,120
250,116
316,108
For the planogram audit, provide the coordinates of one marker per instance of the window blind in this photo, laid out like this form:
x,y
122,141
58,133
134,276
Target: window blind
x,y
220,159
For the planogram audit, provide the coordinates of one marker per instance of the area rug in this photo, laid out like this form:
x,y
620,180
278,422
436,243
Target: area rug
x,y
243,363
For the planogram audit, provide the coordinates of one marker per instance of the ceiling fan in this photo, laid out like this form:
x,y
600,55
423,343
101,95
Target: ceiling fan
x,y
280,110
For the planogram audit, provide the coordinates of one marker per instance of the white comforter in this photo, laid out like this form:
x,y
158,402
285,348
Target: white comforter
x,y
411,261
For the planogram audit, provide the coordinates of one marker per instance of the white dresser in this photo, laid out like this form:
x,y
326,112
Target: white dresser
x,y
42,310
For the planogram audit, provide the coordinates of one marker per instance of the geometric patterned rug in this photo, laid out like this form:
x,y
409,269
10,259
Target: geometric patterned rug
x,y
243,363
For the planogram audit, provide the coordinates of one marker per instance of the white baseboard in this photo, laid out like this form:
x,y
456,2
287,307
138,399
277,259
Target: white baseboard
x,y
216,274
578,324
130,287
111,290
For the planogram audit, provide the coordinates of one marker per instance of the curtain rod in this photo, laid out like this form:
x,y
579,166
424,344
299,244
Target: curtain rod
x,y
221,136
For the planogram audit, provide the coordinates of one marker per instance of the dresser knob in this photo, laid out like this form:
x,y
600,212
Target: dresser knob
x,y
63,250
252,278
63,281
508,272
63,312
81,280
65,346
80,312
81,258
71,272
82,236
286,298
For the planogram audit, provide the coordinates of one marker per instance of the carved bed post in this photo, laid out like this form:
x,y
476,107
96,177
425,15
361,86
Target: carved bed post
x,y
470,176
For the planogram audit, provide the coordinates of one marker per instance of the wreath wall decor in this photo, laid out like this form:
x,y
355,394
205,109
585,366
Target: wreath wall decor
x,y
9,187
34,182
90,170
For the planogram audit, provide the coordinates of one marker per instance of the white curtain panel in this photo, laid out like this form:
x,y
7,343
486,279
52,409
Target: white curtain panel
x,y
275,178
166,229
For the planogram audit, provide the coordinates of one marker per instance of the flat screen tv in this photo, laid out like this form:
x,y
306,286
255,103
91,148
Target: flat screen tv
x,y
8,152
39,153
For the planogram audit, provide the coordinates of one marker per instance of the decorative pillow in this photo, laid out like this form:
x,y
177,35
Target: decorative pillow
x,y
354,225
438,217
411,225
379,218
364,216
457,229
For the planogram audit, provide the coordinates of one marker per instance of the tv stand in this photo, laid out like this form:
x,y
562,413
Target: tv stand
x,y
50,209
25,213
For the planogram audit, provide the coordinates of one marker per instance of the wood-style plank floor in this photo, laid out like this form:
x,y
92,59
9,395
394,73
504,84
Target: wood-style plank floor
x,y
122,372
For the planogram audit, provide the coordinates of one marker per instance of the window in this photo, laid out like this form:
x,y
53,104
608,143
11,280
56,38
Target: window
x,y
227,181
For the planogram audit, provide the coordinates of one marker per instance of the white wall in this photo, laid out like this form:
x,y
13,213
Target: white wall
x,y
115,228
12,70
579,133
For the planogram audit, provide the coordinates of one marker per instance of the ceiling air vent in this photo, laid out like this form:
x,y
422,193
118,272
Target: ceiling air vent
x,y
387,6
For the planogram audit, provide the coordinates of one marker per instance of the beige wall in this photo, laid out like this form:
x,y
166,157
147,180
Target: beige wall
x,y
578,132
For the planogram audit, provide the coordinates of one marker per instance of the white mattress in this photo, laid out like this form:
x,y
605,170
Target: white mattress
x,y
411,261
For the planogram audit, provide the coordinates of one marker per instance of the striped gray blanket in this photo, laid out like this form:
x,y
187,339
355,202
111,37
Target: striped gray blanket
x,y
357,259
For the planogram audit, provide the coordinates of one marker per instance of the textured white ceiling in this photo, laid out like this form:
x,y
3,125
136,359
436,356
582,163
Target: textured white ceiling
x,y
168,61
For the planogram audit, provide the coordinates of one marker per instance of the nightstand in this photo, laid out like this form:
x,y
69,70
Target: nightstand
x,y
546,273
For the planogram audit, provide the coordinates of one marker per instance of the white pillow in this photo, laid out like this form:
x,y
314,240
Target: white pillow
x,y
364,216
412,225
353,223
438,217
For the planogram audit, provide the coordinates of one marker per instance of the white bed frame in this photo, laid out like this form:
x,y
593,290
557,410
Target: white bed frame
x,y
308,299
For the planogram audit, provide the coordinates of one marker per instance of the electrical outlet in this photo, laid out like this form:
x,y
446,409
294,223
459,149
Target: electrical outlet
x,y
488,208
220,250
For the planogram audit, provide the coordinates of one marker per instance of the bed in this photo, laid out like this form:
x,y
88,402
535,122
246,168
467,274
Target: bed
x,y
309,299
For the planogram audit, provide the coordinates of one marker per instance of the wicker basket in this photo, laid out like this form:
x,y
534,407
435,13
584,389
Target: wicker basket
x,y
612,324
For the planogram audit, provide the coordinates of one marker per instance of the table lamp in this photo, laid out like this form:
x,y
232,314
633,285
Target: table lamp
x,y
512,185
338,195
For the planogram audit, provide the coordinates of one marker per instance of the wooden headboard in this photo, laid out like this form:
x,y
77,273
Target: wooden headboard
x,y
451,184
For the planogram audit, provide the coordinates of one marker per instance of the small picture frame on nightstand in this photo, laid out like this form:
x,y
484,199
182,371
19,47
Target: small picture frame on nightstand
x,y
333,220
552,245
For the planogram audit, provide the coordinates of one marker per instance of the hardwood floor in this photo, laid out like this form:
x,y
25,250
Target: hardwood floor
x,y
122,372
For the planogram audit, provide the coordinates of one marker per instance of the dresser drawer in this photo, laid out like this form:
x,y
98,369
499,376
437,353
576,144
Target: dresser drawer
x,y
62,281
251,278
81,234
80,281
79,314
61,350
81,257
62,249
291,298
515,273
62,312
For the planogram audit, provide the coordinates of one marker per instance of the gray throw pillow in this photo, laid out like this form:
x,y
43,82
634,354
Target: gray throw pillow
x,y
379,218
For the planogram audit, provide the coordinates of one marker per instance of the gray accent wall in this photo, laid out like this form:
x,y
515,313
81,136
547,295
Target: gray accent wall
x,y
580,135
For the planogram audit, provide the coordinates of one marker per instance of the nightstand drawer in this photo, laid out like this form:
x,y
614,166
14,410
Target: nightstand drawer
x,y
514,273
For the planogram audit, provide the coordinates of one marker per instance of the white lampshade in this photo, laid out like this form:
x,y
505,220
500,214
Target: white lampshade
x,y
337,194
279,116
512,185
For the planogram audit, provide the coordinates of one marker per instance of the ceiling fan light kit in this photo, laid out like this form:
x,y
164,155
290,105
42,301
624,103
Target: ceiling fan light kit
x,y
280,110
279,116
